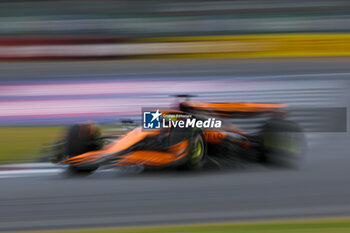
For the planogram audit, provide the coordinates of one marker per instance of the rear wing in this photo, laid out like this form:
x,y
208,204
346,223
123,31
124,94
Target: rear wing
x,y
232,109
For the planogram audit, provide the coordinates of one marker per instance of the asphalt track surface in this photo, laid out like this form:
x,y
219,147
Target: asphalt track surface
x,y
319,188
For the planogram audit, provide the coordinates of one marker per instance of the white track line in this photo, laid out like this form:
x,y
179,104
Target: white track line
x,y
28,173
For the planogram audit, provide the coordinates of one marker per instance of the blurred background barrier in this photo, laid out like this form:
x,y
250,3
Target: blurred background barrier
x,y
167,18
264,45
102,29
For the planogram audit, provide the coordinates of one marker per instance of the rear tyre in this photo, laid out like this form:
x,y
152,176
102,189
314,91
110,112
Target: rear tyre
x,y
282,143
81,138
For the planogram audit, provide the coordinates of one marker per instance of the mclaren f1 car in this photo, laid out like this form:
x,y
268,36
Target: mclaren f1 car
x,y
83,149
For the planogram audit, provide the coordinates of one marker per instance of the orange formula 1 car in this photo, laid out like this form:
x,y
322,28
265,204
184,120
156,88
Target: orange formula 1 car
x,y
83,150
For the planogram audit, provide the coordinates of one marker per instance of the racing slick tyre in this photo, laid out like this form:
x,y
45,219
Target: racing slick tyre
x,y
81,138
57,151
197,153
282,143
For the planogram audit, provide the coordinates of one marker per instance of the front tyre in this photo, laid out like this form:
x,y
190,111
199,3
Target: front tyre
x,y
82,138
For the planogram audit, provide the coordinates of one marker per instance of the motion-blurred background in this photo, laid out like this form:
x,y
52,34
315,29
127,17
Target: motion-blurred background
x,y
65,61
62,29
138,19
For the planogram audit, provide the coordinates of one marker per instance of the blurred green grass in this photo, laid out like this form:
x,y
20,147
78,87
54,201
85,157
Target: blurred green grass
x,y
24,144
301,226
27,144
